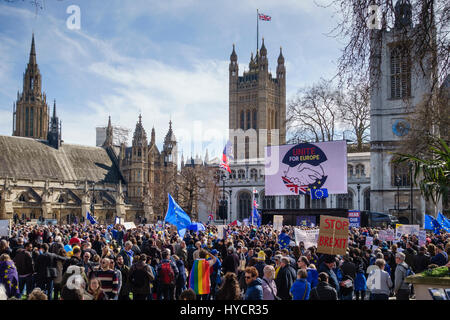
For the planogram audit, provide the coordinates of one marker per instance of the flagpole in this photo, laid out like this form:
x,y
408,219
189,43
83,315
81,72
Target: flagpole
x,y
257,30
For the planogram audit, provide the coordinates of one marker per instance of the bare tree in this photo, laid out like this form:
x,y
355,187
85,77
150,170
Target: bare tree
x,y
314,112
355,113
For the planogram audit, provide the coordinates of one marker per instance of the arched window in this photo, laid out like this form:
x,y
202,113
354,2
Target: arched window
x,y
61,199
319,203
268,202
350,170
345,201
22,198
292,202
235,148
366,197
276,120
359,170
247,147
233,174
249,125
400,72
400,175
242,120
254,174
244,200
241,174
255,119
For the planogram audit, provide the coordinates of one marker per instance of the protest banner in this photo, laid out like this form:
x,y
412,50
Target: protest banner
x,y
354,218
406,229
386,235
308,237
5,227
333,235
129,225
278,223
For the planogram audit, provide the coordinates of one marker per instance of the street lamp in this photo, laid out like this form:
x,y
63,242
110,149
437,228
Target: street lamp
x,y
231,207
358,187
411,191
397,182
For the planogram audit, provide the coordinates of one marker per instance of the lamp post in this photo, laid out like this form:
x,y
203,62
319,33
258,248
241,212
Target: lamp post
x,y
397,182
231,192
358,187
411,205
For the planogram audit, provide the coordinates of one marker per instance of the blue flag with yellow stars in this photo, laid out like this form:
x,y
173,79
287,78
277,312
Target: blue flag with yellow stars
x,y
284,240
319,193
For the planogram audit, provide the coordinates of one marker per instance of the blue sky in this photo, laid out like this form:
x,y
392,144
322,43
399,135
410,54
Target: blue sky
x,y
165,59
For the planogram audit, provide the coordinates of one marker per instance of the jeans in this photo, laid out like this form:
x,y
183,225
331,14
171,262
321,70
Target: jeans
x,y
26,282
46,285
379,296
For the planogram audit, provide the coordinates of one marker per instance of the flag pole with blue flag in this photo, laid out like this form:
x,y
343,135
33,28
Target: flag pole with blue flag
x,y
90,218
176,216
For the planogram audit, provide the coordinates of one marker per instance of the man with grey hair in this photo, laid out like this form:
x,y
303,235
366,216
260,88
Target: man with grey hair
x,y
56,245
379,282
285,278
401,288
127,254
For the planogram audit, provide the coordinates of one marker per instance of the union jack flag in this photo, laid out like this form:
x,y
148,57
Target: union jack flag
x,y
264,17
224,164
294,187
211,217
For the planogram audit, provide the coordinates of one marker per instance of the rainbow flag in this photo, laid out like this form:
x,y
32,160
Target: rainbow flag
x,y
199,277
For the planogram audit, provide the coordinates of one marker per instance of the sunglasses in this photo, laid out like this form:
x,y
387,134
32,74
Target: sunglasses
x,y
248,277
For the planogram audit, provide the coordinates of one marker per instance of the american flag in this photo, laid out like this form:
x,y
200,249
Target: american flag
x,y
264,17
224,164
294,187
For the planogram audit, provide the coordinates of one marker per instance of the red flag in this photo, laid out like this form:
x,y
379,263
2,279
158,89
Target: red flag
x,y
264,17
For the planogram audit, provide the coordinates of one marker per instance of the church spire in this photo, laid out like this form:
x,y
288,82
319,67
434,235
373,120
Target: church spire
x,y
109,134
32,52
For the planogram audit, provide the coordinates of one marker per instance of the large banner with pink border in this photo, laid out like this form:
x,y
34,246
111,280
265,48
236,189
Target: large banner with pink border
x,y
298,168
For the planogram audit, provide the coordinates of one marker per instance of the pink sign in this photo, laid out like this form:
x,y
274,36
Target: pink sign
x,y
299,168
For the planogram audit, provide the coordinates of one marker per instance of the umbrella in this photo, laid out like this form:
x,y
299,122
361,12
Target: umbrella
x,y
196,226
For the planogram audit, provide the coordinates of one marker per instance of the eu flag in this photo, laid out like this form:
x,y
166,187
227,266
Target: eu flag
x,y
319,193
284,240
443,221
90,218
256,217
432,224
176,216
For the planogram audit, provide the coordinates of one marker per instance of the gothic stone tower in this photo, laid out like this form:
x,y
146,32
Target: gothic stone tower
x,y
30,114
396,90
257,106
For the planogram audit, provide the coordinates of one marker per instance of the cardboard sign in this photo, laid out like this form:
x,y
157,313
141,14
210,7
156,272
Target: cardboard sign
x,y
5,228
220,229
129,225
308,237
278,223
333,235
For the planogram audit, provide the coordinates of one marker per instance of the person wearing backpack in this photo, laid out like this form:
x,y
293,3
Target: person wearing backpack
x,y
140,276
402,289
167,273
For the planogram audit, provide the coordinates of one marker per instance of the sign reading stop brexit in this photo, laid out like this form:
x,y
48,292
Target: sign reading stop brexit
x,y
354,218
333,235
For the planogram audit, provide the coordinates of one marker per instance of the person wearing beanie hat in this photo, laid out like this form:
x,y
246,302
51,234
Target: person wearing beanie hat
x,y
261,263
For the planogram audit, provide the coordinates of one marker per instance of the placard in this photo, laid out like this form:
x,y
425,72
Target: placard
x,y
129,225
386,235
308,237
220,229
406,229
278,223
369,241
5,228
354,218
422,237
333,235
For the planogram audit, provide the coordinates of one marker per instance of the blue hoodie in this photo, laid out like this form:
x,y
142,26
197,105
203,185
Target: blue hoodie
x,y
298,289
254,290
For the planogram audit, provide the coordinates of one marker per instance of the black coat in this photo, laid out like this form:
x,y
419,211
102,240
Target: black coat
x,y
421,262
285,278
231,263
24,262
323,291
349,268
44,261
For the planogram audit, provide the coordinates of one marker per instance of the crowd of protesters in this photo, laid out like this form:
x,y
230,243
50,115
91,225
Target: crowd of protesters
x,y
95,262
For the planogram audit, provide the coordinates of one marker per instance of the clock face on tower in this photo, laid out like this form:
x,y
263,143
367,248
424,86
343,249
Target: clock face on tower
x,y
401,128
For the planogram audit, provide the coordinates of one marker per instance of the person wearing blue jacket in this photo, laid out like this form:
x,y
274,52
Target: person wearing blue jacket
x,y
313,275
301,288
254,284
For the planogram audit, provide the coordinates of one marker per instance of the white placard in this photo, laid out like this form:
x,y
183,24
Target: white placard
x,y
220,229
422,237
129,225
308,237
408,229
4,228
369,241
278,223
